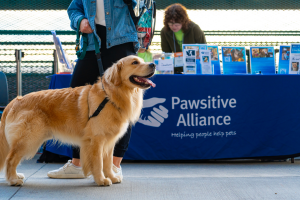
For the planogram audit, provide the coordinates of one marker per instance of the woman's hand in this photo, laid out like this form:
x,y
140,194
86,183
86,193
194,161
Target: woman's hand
x,y
85,26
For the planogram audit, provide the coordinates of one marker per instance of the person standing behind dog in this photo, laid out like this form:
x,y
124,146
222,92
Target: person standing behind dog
x,y
113,26
179,29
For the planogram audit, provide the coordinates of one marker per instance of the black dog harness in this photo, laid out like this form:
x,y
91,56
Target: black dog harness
x,y
101,106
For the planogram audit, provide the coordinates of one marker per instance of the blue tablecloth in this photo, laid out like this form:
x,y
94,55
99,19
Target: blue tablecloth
x,y
194,117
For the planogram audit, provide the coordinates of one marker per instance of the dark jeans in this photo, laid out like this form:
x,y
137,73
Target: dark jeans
x,y
86,71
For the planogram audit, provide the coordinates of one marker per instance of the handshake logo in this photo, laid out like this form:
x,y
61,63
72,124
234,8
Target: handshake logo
x,y
158,114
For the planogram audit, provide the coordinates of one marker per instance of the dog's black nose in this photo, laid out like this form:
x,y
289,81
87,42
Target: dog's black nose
x,y
152,65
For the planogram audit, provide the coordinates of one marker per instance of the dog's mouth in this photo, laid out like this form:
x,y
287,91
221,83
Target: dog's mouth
x,y
142,80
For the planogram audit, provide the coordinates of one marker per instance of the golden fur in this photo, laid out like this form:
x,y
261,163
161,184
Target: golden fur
x,y
64,114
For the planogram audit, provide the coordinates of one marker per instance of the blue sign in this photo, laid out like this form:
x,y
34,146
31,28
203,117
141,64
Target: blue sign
x,y
217,117
234,60
262,60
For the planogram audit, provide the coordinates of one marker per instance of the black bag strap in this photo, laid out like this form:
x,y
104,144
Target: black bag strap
x,y
134,18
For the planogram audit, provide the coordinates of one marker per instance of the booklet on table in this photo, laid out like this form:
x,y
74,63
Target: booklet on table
x,y
284,59
294,59
234,60
262,60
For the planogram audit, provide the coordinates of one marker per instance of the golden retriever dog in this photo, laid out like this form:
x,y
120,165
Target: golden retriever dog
x,y
63,114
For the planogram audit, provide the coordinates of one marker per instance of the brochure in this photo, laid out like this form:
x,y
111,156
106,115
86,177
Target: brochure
x,y
205,60
189,57
164,66
262,60
284,59
215,60
294,59
178,63
234,60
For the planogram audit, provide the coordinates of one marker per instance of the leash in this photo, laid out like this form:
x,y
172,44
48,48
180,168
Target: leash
x,y
81,54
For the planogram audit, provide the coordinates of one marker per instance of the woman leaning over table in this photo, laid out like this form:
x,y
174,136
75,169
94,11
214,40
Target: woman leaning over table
x,y
179,29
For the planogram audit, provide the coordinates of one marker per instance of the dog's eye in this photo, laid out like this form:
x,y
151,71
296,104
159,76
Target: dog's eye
x,y
135,63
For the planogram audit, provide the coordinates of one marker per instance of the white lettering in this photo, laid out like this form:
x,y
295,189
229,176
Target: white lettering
x,y
175,103
227,118
232,103
181,120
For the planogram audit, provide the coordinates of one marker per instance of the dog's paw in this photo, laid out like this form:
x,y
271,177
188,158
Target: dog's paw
x,y
16,182
116,179
21,176
104,182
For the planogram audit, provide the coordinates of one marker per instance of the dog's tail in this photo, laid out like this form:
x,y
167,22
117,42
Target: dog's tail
x,y
4,147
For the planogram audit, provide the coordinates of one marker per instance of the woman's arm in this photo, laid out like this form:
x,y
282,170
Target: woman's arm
x,y
75,11
165,47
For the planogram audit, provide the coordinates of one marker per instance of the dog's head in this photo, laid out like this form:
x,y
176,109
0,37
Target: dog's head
x,y
131,71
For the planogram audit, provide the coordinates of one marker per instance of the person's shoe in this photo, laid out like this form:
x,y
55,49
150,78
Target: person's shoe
x,y
67,171
117,171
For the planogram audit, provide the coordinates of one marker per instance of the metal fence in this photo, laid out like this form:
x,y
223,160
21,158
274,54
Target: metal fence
x,y
26,25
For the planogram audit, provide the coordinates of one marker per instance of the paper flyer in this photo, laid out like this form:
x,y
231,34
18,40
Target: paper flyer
x,y
234,60
294,59
197,47
178,63
164,66
284,59
205,60
262,60
215,60
189,57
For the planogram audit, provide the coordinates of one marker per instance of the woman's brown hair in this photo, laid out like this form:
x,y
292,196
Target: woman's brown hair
x,y
177,13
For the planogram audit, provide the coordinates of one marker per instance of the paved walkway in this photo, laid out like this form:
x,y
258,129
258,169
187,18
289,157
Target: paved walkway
x,y
214,180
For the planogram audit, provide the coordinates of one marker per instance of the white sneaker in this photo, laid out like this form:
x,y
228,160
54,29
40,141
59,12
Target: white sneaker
x,y
117,171
67,171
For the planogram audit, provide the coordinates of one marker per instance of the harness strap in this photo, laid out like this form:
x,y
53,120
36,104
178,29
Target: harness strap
x,y
100,107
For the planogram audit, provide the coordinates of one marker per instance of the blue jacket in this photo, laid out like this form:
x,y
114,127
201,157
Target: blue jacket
x,y
119,24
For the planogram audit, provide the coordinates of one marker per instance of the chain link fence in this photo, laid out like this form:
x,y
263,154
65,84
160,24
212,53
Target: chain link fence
x,y
26,25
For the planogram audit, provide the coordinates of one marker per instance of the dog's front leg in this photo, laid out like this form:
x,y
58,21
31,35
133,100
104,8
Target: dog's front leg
x,y
91,155
107,167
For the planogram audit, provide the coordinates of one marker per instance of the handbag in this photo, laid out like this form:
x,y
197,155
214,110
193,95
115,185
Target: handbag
x,y
144,20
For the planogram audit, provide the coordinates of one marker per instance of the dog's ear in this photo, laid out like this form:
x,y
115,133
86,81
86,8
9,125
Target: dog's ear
x,y
116,73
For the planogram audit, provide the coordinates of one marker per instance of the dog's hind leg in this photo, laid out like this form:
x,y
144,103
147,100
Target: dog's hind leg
x,y
107,167
91,156
24,141
13,159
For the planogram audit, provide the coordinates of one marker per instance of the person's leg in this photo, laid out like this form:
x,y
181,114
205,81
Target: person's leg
x,y
109,57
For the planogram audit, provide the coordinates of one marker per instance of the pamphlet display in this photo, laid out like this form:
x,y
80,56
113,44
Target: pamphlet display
x,y
234,60
284,59
205,60
262,60
215,61
294,59
189,58
198,48
178,63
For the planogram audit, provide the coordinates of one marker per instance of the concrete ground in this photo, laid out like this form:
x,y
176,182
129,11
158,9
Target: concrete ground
x,y
240,179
